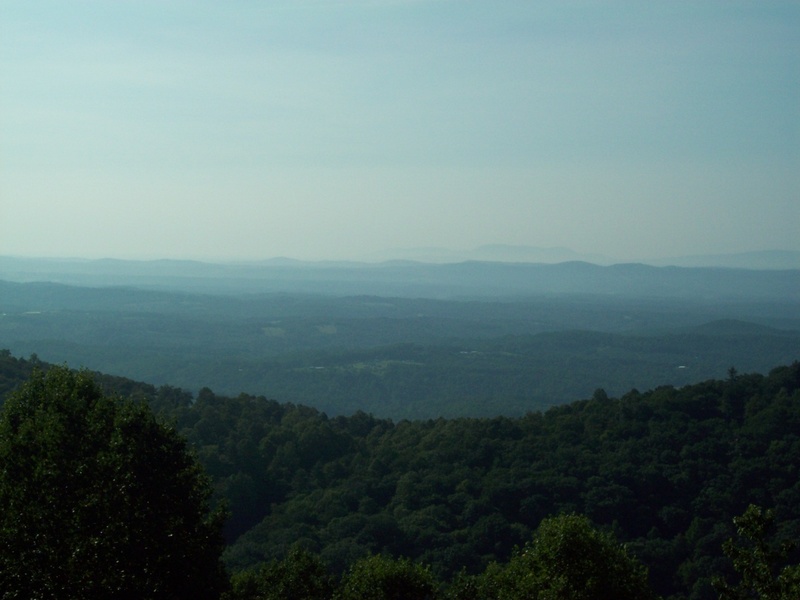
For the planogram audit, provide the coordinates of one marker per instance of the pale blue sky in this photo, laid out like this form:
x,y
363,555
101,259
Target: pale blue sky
x,y
330,130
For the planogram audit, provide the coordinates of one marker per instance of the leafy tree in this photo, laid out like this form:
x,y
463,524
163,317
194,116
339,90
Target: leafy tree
x,y
299,575
380,577
759,562
569,559
99,500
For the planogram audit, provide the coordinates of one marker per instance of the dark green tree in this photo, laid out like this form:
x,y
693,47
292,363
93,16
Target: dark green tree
x,y
99,500
760,563
300,575
569,559
383,578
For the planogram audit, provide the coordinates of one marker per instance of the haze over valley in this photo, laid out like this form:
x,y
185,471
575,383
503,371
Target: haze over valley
x,y
402,339
414,298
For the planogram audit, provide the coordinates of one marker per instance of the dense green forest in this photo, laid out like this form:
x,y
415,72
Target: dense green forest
x,y
665,471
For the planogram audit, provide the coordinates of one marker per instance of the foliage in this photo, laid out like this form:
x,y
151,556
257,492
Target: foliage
x,y
383,578
665,470
98,500
300,575
569,559
760,563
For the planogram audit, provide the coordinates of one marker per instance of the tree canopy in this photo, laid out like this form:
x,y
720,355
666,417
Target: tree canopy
x,y
760,562
100,500
665,470
383,578
569,559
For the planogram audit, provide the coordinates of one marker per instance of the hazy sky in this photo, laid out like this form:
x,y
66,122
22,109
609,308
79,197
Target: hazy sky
x,y
328,130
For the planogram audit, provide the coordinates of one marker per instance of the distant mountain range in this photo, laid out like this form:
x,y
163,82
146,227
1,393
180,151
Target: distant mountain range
x,y
489,253
770,259
467,279
775,259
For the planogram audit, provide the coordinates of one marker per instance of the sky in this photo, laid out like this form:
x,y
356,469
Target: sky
x,y
328,130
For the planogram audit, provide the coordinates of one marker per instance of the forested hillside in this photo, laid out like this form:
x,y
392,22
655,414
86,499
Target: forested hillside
x,y
666,470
